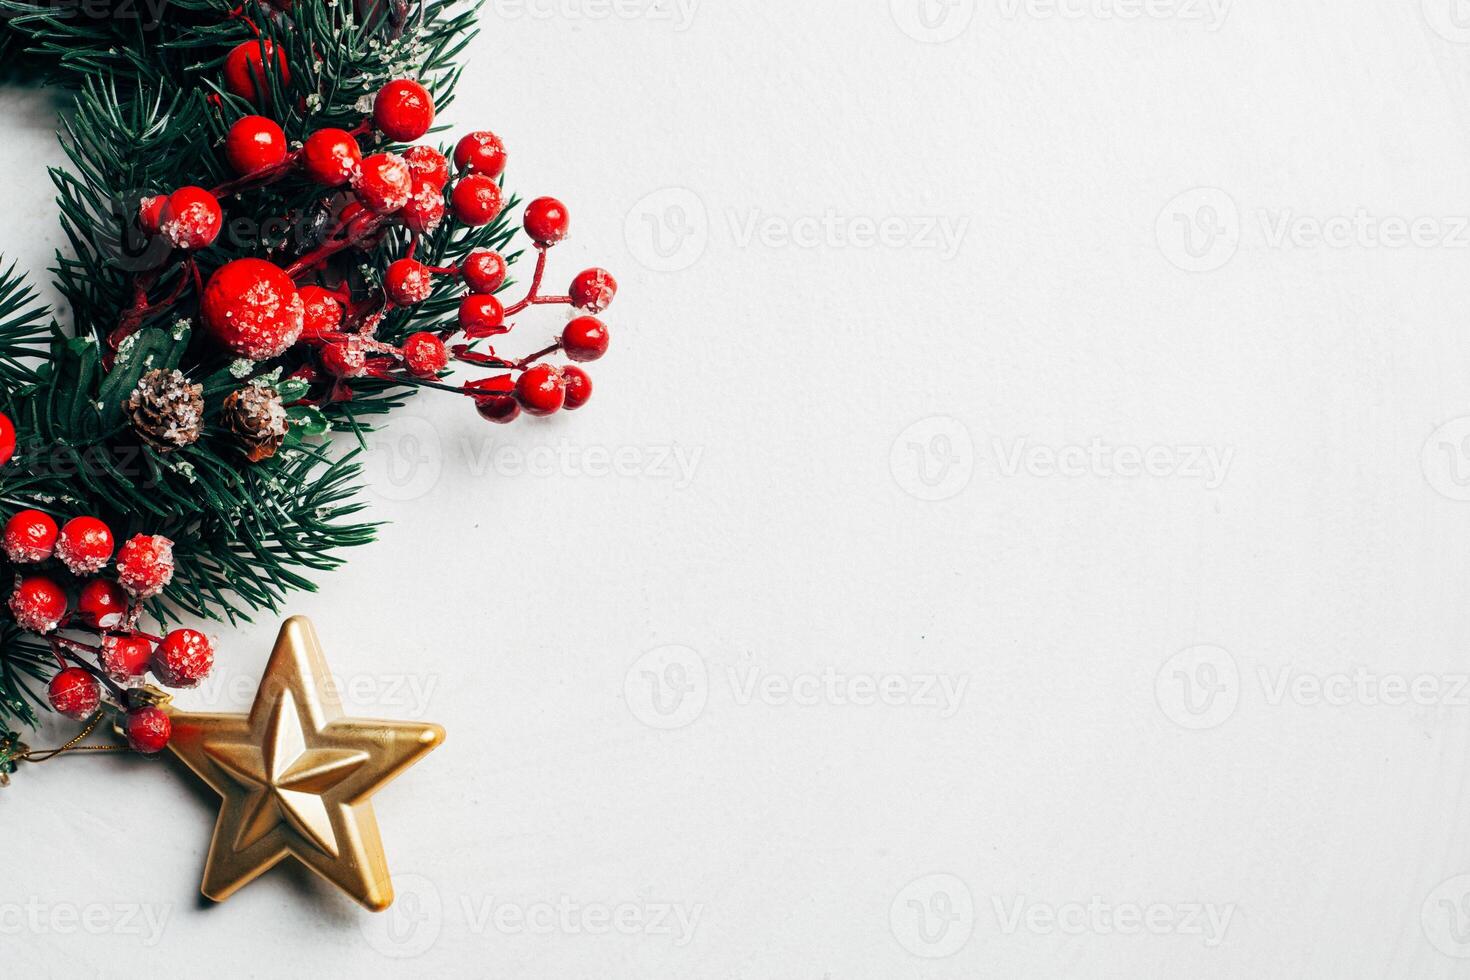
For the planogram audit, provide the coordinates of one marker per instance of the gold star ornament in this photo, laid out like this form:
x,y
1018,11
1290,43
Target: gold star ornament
x,y
297,777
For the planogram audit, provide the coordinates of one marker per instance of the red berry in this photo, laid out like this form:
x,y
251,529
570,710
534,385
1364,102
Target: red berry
x,y
579,387
85,545
183,659
74,692
383,183
150,212
245,73
425,355
480,153
500,408
126,657
427,163
584,338
191,218
38,604
30,536
252,307
425,207
255,143
477,200
145,565
404,110
547,221
321,311
102,604
541,390
345,358
484,270
7,438
330,157
481,315
593,290
149,730
408,282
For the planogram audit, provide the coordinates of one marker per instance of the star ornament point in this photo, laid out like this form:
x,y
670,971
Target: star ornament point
x,y
296,776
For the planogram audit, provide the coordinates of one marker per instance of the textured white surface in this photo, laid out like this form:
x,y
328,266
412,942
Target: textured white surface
x,y
1199,708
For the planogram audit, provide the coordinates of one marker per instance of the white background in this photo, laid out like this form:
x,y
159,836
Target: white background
x,y
1208,719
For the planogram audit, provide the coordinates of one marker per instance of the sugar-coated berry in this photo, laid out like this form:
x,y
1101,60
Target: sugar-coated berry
x,y
183,659
425,207
149,730
547,221
321,311
383,183
252,307
501,406
7,438
403,109
579,387
584,338
481,315
150,212
102,604
191,218
484,270
428,164
84,545
30,536
593,290
476,200
408,281
480,152
245,73
424,355
541,390
255,143
74,692
330,157
125,658
145,565
38,604
345,358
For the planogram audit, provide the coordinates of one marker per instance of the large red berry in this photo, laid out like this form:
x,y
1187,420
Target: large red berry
x,y
425,207
7,438
584,338
245,73
74,692
481,315
404,110
191,218
547,221
425,355
85,545
579,387
345,358
477,200
38,604
541,390
183,659
102,604
150,212
252,307
126,657
321,311
383,183
484,270
149,730
145,565
501,406
593,290
427,163
255,143
30,536
408,281
480,153
330,157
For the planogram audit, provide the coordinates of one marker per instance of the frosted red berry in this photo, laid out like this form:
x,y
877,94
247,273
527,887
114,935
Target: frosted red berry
x,y
125,658
579,387
425,208
145,565
428,164
191,218
403,109
330,157
38,604
593,290
484,270
476,200
584,338
321,311
541,390
102,604
383,183
255,143
245,73
480,152
74,692
183,659
149,730
30,536
424,355
547,221
408,281
150,212
85,545
345,358
498,405
481,315
252,307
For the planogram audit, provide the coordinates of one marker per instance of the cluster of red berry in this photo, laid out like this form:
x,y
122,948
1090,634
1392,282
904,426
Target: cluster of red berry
x,y
116,652
259,310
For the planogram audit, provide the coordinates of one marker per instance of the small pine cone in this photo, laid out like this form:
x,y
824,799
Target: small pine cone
x,y
257,419
166,411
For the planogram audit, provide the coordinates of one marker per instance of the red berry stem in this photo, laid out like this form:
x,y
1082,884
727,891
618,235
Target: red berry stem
x,y
536,278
